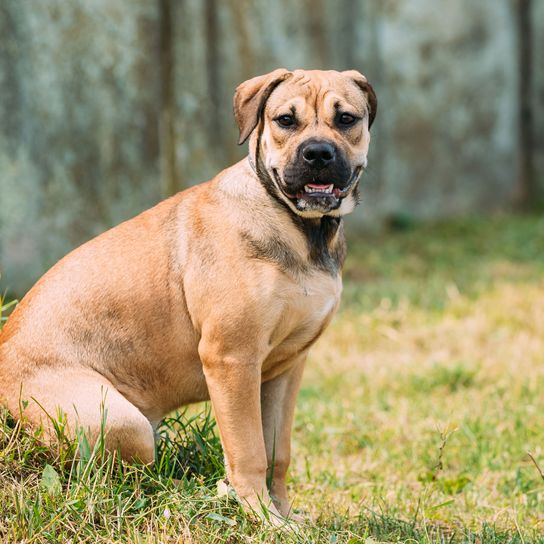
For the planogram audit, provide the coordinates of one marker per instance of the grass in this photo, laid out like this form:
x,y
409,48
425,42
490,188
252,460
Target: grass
x,y
418,409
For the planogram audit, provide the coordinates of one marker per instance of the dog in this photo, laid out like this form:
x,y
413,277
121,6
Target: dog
x,y
216,293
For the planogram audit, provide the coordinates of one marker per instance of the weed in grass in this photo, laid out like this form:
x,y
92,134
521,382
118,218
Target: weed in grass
x,y
5,308
189,447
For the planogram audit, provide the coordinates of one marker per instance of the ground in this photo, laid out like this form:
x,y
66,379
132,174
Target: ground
x,y
419,420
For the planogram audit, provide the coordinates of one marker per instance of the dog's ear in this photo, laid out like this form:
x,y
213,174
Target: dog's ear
x,y
367,89
250,98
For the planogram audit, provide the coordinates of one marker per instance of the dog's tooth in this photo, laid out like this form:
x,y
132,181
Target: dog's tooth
x,y
320,189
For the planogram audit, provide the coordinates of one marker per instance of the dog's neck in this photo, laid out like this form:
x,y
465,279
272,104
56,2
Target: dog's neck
x,y
324,235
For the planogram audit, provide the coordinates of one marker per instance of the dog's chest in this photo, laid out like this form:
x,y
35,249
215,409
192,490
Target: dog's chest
x,y
307,307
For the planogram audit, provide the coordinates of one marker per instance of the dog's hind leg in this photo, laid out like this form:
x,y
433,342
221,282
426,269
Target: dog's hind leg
x,y
91,405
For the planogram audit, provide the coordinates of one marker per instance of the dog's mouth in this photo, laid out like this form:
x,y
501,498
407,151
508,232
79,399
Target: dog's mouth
x,y
322,197
313,190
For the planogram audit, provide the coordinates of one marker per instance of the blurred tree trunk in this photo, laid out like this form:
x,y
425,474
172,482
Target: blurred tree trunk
x,y
527,190
170,179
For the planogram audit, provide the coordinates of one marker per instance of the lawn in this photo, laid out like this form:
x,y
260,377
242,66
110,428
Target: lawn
x,y
418,411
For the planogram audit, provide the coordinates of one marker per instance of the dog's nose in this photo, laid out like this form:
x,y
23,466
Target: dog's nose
x,y
318,154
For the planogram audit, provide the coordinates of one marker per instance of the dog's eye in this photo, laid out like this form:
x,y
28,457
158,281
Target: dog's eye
x,y
285,120
346,119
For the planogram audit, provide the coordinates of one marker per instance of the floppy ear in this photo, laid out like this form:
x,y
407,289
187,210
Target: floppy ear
x,y
367,89
250,98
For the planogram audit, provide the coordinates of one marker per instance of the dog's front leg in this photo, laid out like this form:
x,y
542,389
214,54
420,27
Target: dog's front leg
x,y
234,386
278,398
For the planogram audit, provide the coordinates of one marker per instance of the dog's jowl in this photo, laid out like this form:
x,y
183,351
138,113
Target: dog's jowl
x,y
216,293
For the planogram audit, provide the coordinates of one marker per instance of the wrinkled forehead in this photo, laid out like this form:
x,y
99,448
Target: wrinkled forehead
x,y
317,91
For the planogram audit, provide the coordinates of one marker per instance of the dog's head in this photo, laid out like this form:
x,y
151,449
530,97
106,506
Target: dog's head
x,y
309,135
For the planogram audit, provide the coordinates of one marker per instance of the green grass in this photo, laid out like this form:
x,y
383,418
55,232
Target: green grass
x,y
418,407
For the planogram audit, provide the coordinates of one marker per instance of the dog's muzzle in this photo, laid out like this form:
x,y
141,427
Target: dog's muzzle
x,y
318,179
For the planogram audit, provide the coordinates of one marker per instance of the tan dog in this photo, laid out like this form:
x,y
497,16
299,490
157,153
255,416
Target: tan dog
x,y
216,293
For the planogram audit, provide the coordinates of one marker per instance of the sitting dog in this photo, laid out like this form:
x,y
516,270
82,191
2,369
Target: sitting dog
x,y
215,293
